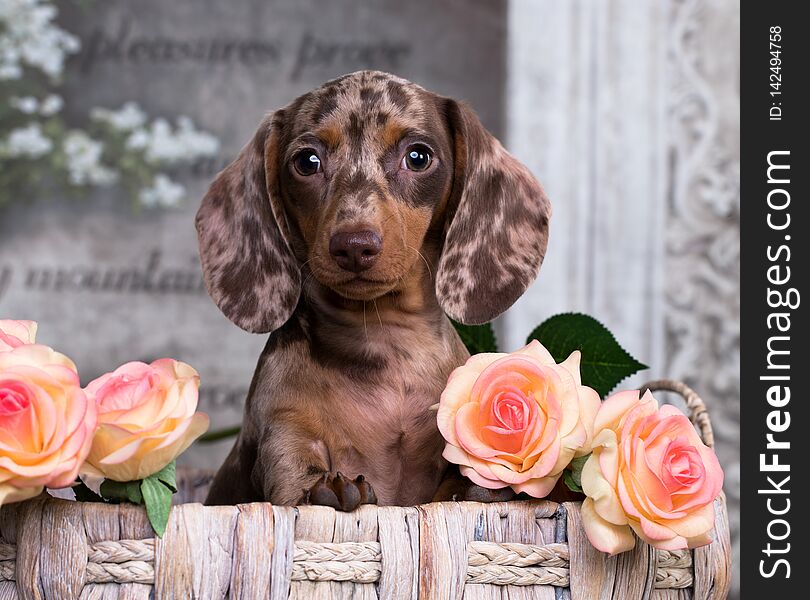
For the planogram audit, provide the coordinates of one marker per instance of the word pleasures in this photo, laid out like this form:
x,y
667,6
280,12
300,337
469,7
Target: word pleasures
x,y
123,45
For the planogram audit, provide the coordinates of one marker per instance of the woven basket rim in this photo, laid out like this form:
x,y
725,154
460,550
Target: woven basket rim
x,y
698,413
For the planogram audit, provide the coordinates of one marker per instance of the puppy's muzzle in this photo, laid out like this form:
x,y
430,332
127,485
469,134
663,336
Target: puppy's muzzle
x,y
355,251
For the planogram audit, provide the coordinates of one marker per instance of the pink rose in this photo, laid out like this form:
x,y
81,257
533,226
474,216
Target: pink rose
x,y
46,421
14,334
516,419
649,472
146,418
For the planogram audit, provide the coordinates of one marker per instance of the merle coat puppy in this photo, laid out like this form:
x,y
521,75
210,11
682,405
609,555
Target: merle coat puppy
x,y
354,221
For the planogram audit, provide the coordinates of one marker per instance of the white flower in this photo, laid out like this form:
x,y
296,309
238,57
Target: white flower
x,y
28,36
162,145
83,158
164,192
127,118
27,104
138,139
51,105
198,142
28,141
10,71
30,105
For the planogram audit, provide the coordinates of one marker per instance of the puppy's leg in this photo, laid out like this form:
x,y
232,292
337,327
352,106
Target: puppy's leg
x,y
232,483
295,469
454,486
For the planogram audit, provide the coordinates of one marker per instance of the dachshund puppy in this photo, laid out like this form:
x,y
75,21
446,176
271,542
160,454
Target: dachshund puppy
x,y
356,218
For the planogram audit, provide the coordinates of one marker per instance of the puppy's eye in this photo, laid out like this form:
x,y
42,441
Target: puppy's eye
x,y
307,162
417,158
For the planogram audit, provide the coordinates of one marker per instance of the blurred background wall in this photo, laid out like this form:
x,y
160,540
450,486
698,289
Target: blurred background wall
x,y
115,116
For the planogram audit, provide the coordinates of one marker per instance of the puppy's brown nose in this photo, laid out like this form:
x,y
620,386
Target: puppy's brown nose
x,y
355,251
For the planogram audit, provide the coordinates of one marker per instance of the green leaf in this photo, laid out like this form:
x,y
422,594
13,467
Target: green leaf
x,y
168,476
572,476
134,492
604,362
158,500
570,482
113,490
477,338
121,491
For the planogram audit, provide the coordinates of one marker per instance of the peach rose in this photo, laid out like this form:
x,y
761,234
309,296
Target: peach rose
x,y
146,418
14,334
649,472
46,421
516,419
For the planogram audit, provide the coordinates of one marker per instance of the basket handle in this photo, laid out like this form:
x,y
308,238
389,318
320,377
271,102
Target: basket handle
x,y
697,409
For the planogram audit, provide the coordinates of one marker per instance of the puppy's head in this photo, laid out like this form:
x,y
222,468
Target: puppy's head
x,y
347,181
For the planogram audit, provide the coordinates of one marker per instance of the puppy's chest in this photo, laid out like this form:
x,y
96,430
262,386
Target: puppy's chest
x,y
396,404
405,368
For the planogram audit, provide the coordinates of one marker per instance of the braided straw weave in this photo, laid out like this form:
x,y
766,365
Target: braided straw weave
x,y
122,561
348,561
673,578
121,551
132,561
132,571
517,555
508,575
7,569
49,550
517,564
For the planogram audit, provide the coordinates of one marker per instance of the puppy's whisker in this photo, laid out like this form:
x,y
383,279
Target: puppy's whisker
x,y
391,216
422,256
305,285
365,327
309,272
379,318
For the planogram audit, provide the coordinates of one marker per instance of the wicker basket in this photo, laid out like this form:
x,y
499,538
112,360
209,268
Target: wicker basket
x,y
56,549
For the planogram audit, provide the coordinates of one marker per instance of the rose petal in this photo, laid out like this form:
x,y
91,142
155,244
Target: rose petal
x,y
537,488
571,364
589,405
658,536
537,351
14,334
602,492
478,479
696,523
605,536
700,540
10,493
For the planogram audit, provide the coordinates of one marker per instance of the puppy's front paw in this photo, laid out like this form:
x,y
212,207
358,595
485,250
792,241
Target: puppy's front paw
x,y
476,493
340,492
457,488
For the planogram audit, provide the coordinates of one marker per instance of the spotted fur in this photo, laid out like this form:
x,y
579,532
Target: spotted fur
x,y
498,232
248,266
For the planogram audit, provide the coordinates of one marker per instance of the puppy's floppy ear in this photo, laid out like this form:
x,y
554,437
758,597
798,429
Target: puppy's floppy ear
x,y
497,225
248,266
